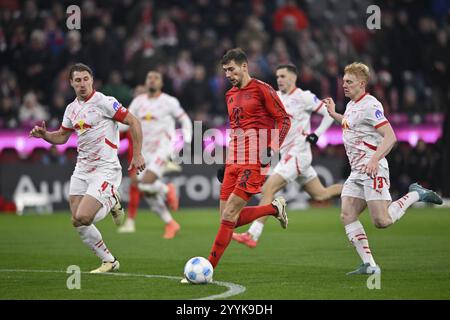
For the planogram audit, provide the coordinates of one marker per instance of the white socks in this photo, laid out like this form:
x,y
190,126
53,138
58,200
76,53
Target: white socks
x,y
158,205
398,208
357,236
100,214
93,239
256,229
157,187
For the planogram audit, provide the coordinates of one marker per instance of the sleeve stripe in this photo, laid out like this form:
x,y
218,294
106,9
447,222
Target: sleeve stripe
x,y
381,124
120,114
67,129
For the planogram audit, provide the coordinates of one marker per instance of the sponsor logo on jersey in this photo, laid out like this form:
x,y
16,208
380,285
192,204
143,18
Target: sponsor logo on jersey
x,y
379,114
116,106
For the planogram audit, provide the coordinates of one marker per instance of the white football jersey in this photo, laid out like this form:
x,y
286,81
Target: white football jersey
x,y
360,135
158,116
94,121
299,104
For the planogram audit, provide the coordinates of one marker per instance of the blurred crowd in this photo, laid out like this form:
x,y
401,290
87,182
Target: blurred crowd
x,y
185,39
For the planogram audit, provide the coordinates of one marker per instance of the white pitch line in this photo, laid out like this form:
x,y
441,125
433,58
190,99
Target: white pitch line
x,y
233,289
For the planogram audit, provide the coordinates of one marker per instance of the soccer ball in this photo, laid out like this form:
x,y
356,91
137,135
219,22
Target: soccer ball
x,y
198,270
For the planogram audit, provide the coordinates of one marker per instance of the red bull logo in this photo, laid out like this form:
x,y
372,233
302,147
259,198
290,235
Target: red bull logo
x,y
81,126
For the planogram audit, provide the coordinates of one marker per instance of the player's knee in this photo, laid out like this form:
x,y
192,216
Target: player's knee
x,y
347,217
230,213
382,223
84,220
76,223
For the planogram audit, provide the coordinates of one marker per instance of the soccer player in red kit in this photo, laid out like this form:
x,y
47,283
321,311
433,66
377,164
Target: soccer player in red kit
x,y
254,109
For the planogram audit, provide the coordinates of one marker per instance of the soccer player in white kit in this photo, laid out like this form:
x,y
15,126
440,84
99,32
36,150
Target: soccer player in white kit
x,y
98,173
296,157
158,113
368,138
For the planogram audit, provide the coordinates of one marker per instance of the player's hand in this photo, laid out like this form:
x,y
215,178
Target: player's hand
x,y
39,132
137,162
331,106
312,138
221,173
371,168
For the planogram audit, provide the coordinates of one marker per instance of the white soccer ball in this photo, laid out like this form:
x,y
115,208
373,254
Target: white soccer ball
x,y
198,270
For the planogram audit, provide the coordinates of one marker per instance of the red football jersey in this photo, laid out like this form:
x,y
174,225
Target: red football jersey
x,y
254,112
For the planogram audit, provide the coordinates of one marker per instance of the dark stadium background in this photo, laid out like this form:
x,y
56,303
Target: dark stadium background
x,y
122,39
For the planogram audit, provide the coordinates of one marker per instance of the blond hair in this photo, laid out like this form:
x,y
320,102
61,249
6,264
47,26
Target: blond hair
x,y
359,69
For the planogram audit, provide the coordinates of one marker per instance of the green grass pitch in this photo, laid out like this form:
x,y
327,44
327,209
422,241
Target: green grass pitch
x,y
307,261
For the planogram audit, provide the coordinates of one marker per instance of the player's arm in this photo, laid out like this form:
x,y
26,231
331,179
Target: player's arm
x,y
186,127
386,145
137,161
331,108
55,137
326,122
276,108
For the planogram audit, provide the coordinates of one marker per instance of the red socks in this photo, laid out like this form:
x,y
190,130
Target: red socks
x,y
223,238
249,214
222,241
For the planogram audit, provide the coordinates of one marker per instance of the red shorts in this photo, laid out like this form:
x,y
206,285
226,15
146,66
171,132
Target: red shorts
x,y
242,180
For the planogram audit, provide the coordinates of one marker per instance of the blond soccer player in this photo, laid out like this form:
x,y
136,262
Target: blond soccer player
x,y
98,173
368,138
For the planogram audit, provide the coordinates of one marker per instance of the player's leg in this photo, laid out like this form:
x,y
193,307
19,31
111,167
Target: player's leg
x,y
133,205
229,216
150,183
318,192
250,238
83,219
84,209
158,204
416,193
250,182
351,209
99,200
383,212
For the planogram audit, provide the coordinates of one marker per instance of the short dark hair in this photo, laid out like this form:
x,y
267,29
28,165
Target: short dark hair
x,y
79,67
236,54
289,66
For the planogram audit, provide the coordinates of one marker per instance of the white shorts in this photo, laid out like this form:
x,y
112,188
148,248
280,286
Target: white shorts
x,y
296,167
359,185
156,162
102,185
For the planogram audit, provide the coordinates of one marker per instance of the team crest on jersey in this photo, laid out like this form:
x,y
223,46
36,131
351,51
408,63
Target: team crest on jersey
x,y
378,114
230,100
82,126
